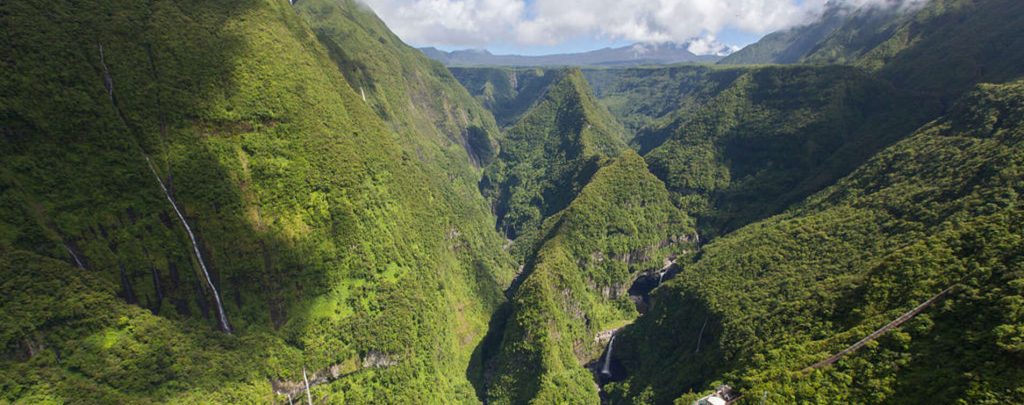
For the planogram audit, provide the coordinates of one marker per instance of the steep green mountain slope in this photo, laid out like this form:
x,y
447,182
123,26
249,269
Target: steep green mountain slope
x,y
951,45
861,31
355,247
790,45
401,84
773,136
941,208
941,48
507,92
575,284
549,155
639,97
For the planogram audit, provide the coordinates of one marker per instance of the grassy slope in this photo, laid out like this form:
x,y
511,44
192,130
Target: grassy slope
x,y
329,235
575,283
939,208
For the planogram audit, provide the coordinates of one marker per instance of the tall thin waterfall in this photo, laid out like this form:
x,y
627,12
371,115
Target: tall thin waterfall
x,y
74,256
309,395
195,248
607,368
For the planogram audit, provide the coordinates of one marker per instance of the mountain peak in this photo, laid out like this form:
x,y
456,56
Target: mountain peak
x,y
640,53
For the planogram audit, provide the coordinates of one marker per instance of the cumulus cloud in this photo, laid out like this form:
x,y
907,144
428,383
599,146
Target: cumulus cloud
x,y
550,22
451,22
708,45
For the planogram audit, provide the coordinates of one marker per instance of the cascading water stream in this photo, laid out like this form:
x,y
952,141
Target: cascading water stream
x,y
222,317
700,335
74,256
607,368
309,395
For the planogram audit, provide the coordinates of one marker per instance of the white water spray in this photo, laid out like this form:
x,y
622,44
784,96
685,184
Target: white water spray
x,y
607,368
660,277
195,247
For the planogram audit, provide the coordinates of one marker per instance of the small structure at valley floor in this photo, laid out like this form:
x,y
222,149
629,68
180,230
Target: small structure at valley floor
x,y
724,395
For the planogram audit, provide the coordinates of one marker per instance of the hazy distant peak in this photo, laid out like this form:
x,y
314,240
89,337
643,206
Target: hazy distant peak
x,y
700,50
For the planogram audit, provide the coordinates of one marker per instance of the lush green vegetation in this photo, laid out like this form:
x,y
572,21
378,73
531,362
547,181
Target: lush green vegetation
x,y
773,136
575,283
941,48
414,93
345,192
507,92
331,234
840,35
940,208
638,97
949,46
70,339
549,155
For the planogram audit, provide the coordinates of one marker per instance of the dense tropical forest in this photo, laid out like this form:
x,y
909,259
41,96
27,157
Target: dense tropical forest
x,y
268,201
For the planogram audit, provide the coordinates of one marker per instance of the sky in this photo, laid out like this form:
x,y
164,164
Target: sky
x,y
534,27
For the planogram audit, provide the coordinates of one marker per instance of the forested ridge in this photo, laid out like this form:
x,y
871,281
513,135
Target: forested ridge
x,y
216,202
341,237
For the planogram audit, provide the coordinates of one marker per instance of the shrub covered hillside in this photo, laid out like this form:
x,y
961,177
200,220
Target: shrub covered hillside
x,y
403,86
941,208
639,97
507,92
773,136
847,29
941,48
549,155
575,284
330,239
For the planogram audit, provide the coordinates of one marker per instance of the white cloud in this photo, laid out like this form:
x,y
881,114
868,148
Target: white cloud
x,y
549,22
708,45
451,22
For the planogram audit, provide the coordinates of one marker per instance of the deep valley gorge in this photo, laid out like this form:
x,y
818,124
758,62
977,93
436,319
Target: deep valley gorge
x,y
281,202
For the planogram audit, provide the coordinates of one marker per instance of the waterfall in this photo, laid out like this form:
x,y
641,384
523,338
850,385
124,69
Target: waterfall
x,y
607,368
108,81
363,93
195,247
309,395
701,335
74,256
660,277
158,288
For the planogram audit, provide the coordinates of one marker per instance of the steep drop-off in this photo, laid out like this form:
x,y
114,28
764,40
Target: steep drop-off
x,y
938,209
351,245
940,48
575,284
549,155
507,92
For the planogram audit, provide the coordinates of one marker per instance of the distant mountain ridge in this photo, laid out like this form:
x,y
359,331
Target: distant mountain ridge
x,y
630,55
